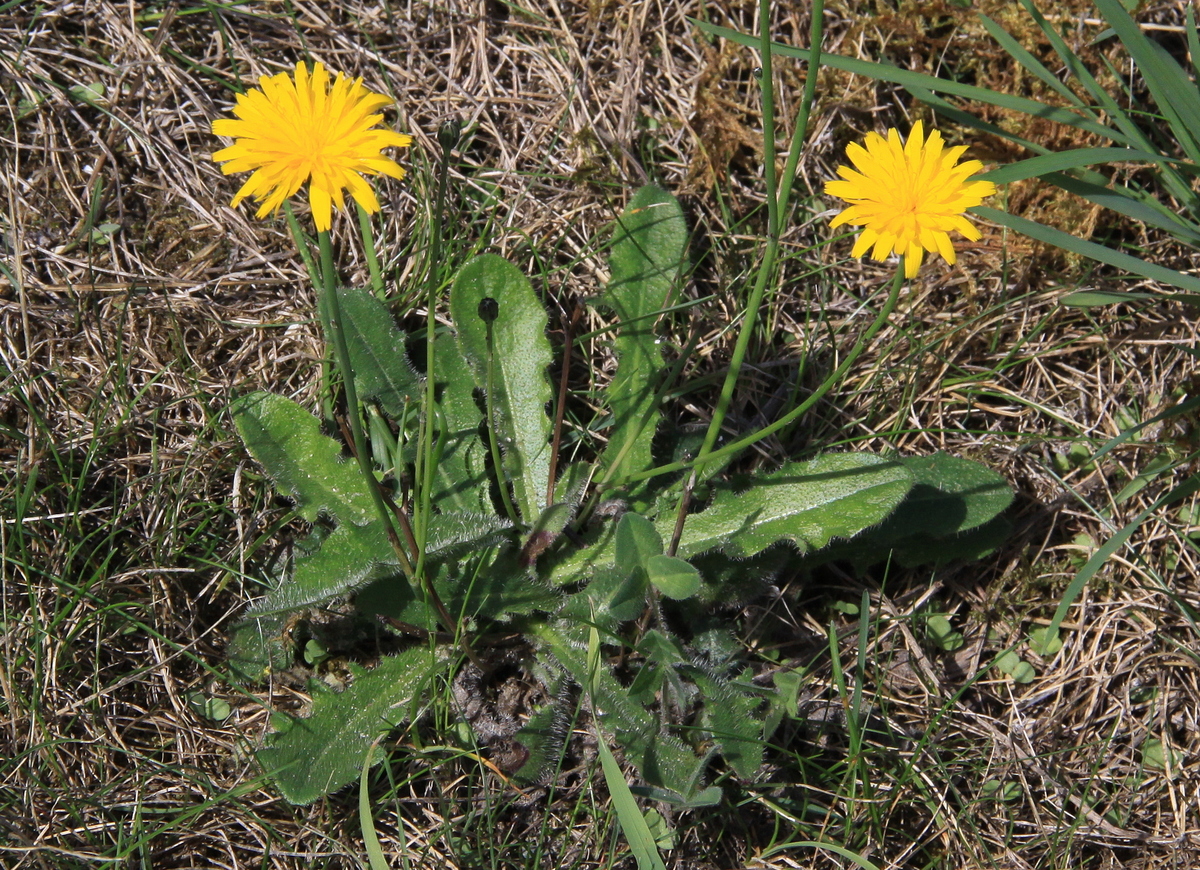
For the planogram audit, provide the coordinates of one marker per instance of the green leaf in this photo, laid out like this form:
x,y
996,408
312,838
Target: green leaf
x,y
318,755
833,496
256,649
1043,642
208,707
349,558
304,463
1013,665
957,494
520,355
728,714
673,577
664,835
612,597
952,512
1096,298
1091,250
664,761
636,541
462,480
377,351
1158,755
489,584
352,557
646,260
942,633
1000,790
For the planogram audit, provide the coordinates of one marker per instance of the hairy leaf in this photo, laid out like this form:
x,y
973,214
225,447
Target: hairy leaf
x,y
811,503
377,351
304,463
673,577
461,481
320,754
351,557
520,354
729,716
646,259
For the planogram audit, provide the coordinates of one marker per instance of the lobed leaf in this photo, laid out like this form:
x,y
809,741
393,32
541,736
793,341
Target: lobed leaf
x,y
646,259
811,503
304,463
320,754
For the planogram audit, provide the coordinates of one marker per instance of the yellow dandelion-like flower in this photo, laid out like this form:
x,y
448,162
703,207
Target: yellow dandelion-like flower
x,y
908,196
290,131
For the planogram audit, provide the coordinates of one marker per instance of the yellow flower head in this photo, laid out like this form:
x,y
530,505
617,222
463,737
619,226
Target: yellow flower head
x,y
908,196
291,131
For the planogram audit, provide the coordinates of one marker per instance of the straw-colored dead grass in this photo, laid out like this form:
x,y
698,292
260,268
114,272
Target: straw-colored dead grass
x,y
123,558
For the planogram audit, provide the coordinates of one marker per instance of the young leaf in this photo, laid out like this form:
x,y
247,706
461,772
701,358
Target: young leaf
x,y
833,496
646,259
320,754
305,464
636,541
673,577
519,355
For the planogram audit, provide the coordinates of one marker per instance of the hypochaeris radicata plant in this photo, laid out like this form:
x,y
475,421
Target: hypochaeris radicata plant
x,y
451,521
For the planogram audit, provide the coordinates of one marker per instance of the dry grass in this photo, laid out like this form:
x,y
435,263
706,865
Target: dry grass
x,y
129,511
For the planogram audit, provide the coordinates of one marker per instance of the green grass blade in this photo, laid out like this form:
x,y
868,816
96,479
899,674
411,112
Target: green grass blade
x,y
1081,73
1124,201
633,823
1018,53
966,119
1193,39
910,79
375,856
1189,486
1062,160
842,851
1106,102
1174,93
1100,253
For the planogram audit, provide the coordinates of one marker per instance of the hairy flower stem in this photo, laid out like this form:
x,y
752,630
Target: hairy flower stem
x,y
426,467
332,317
766,269
793,415
368,239
361,452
